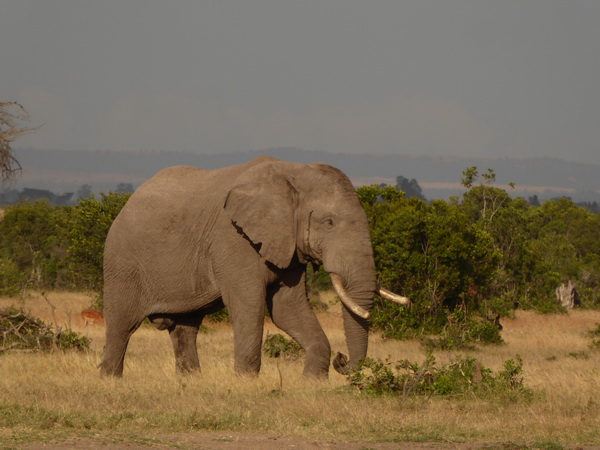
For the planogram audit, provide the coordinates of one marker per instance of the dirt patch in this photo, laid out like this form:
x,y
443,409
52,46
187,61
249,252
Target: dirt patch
x,y
233,441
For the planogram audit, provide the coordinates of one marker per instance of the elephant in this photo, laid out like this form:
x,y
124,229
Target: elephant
x,y
190,241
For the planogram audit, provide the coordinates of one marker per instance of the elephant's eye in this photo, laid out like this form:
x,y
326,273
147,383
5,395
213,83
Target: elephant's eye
x,y
328,222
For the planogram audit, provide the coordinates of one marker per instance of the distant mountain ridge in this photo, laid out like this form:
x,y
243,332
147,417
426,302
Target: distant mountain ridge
x,y
439,177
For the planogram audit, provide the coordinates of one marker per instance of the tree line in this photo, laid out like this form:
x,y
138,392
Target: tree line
x,y
13,196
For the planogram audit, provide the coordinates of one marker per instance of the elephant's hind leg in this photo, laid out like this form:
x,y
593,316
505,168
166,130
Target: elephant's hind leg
x,y
183,335
117,339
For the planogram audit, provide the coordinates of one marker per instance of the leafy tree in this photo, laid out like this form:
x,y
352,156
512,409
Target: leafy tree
x,y
410,187
483,202
91,219
566,242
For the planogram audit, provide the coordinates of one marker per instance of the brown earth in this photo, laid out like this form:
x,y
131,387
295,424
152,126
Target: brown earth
x,y
239,441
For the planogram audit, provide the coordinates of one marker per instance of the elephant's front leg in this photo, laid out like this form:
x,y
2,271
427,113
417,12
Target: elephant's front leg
x,y
247,315
184,333
290,311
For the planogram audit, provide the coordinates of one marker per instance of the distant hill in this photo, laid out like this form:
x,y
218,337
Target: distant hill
x,y
439,177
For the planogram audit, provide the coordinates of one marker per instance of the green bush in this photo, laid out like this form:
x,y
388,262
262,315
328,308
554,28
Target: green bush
x,y
69,339
462,332
278,346
464,375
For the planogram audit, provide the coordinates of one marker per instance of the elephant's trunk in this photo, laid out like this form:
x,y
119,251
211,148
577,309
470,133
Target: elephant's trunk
x,y
356,291
356,323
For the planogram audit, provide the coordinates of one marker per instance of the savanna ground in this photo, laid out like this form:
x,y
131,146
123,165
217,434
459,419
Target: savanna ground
x,y
58,399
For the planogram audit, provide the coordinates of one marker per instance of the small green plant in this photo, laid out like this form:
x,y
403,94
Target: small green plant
x,y
278,346
512,374
375,376
461,376
69,339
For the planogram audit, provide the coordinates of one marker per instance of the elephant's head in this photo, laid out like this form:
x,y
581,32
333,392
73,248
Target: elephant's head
x,y
312,213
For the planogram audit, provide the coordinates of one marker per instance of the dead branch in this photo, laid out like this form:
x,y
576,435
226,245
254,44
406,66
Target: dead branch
x,y
11,115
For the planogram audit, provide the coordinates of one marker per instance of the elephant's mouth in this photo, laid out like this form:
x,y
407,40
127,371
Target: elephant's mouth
x,y
355,308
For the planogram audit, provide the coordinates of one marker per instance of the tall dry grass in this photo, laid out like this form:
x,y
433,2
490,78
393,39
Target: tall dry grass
x,y
60,394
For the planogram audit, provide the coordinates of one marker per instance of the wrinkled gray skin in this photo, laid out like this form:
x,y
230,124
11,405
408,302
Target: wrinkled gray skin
x,y
190,241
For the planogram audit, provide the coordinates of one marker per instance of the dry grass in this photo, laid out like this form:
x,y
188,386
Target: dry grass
x,y
59,395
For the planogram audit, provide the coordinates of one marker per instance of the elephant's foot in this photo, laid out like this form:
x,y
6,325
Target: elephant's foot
x,y
248,366
187,366
319,374
317,361
110,370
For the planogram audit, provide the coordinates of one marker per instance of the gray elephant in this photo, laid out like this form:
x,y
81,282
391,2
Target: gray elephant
x,y
190,241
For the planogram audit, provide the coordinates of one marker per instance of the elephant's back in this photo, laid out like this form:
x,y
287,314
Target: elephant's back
x,y
179,192
197,180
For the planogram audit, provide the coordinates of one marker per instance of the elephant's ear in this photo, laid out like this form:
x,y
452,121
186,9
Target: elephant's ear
x,y
264,210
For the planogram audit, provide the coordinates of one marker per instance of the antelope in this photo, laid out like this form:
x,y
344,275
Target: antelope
x,y
93,317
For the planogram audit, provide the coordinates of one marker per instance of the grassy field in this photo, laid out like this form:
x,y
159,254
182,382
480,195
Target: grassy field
x,y
51,397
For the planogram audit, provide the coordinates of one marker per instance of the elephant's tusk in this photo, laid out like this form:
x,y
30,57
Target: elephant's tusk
x,y
384,293
342,293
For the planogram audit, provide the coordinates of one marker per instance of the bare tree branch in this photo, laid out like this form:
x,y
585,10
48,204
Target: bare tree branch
x,y
12,115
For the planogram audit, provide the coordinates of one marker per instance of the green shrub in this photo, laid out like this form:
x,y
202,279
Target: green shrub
x,y
484,332
69,339
462,332
464,375
379,377
278,346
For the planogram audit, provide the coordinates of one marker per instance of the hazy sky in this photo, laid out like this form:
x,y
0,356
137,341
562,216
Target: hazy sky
x,y
494,78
